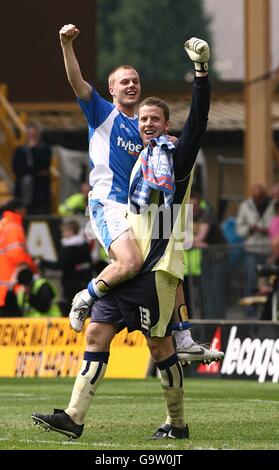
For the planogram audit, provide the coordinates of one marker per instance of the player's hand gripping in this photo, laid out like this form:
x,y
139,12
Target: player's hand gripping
x,y
68,33
199,52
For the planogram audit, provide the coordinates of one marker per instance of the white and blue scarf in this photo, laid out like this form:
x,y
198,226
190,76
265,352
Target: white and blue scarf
x,y
155,172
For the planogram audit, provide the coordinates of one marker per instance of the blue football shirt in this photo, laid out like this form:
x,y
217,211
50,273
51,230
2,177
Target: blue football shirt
x,y
114,146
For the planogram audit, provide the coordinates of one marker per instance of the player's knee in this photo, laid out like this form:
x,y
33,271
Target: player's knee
x,y
155,352
160,348
93,334
89,335
99,336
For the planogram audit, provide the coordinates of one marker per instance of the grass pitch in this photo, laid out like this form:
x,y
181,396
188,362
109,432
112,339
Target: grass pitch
x,y
222,414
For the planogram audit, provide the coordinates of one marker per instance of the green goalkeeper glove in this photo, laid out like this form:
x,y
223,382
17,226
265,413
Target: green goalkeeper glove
x,y
199,52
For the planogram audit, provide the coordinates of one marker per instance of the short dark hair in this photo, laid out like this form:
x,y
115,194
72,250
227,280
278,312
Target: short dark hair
x,y
72,225
155,101
12,205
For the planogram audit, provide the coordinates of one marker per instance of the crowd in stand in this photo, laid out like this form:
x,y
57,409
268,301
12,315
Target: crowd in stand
x,y
256,227
25,290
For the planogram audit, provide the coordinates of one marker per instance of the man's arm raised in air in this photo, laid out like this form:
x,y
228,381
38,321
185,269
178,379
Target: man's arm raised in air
x,y
187,146
68,33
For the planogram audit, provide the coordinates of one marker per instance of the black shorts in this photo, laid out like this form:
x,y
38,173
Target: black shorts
x,y
144,303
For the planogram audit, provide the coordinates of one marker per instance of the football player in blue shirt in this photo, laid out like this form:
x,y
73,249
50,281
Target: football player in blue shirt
x,y
155,288
114,146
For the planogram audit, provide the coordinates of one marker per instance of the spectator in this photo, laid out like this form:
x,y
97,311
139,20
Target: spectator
x,y
206,228
206,233
36,296
31,166
274,193
76,203
193,263
252,222
273,229
271,287
74,260
13,252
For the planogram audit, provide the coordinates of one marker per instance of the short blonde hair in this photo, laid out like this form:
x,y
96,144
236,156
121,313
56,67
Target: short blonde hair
x,y
120,67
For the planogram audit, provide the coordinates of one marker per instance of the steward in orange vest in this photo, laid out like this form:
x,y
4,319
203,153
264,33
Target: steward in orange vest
x,y
13,251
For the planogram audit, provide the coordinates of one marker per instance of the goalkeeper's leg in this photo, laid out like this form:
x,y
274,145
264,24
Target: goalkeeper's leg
x,y
171,373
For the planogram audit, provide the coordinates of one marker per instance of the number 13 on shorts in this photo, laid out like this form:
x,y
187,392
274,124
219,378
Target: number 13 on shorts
x,y
145,318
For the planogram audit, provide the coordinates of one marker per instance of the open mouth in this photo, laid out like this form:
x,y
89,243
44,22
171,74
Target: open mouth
x,y
149,132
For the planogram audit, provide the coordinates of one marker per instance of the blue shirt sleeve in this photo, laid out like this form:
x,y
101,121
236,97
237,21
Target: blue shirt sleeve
x,y
96,110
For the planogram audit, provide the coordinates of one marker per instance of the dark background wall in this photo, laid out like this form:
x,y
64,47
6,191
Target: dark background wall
x,y
31,61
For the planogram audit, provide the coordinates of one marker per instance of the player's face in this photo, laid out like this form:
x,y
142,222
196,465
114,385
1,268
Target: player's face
x,y
125,88
152,123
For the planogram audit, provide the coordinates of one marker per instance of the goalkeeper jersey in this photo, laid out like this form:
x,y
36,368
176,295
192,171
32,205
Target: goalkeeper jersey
x,y
159,230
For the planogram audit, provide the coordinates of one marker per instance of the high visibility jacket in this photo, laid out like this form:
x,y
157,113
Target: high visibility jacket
x,y
24,303
13,251
74,204
192,262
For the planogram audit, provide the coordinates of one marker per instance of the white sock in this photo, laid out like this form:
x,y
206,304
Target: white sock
x,y
172,385
89,377
183,338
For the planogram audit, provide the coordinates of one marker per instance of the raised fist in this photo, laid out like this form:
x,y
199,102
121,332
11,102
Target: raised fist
x,y
68,33
199,52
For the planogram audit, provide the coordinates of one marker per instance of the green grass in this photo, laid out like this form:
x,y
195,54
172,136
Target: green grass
x,y
221,414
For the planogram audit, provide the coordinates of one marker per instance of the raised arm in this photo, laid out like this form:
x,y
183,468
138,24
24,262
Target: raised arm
x,y
188,145
68,33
